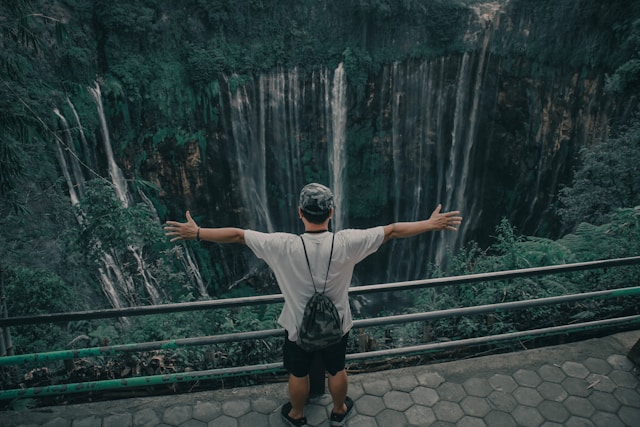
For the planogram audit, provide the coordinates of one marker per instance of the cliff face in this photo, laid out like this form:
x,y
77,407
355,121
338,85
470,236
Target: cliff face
x,y
492,130
480,106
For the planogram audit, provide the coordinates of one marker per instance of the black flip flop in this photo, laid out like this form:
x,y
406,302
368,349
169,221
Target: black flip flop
x,y
338,420
286,408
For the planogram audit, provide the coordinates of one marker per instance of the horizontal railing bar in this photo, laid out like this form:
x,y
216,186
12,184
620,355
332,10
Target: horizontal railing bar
x,y
214,374
360,323
141,310
496,275
491,339
126,383
138,347
491,308
278,298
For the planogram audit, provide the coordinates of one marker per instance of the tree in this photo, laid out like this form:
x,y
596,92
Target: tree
x,y
606,180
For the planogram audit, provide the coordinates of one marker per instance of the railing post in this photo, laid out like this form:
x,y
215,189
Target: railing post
x,y
6,346
316,377
634,353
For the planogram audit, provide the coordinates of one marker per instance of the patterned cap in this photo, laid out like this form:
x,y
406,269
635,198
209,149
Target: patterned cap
x,y
316,199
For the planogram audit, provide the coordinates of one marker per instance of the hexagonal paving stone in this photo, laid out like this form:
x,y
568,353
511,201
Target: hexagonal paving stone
x,y
355,390
624,378
527,378
503,383
597,366
253,419
628,397
620,361
377,387
369,405
317,413
362,421
87,421
553,411
604,419
577,387
552,374
527,416
403,382
448,411
604,401
551,391
264,405
389,417
579,406
477,387
575,370
629,416
118,420
601,382
425,396
236,408
177,415
430,379
475,406
450,391
471,422
192,423
502,401
420,415
206,411
398,400
575,421
146,416
498,418
527,396
225,421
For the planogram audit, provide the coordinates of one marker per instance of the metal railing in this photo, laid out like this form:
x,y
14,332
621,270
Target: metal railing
x,y
317,376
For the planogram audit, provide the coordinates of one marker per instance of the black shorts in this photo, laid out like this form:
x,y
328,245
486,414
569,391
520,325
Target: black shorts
x,y
298,362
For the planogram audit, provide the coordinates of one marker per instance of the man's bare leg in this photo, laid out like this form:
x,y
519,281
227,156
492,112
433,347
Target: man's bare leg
x,y
298,394
338,385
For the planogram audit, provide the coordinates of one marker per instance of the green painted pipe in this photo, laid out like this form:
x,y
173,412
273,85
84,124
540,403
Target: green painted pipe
x,y
136,347
118,384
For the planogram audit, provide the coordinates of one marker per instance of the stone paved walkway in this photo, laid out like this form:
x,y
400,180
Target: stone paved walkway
x,y
591,383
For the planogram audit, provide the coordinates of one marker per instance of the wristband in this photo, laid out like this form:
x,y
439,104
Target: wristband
x,y
198,234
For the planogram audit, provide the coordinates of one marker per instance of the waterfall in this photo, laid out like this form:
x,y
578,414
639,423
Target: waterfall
x,y
74,189
89,155
427,127
269,143
280,101
117,284
338,145
117,178
250,157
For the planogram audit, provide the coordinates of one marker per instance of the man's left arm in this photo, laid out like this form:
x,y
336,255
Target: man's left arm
x,y
437,221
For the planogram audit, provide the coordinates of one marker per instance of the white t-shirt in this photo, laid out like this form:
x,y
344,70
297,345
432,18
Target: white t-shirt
x,y
284,254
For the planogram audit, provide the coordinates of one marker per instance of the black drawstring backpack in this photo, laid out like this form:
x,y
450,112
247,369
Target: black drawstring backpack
x,y
321,325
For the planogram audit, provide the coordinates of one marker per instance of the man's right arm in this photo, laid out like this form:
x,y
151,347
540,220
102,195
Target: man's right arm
x,y
191,231
437,221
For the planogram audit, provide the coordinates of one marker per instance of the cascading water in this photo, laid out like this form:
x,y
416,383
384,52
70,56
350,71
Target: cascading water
x,y
74,187
269,144
117,178
117,284
338,144
430,108
250,157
